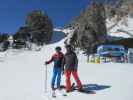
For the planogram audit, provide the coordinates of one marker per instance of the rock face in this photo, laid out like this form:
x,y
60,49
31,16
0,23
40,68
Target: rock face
x,y
90,28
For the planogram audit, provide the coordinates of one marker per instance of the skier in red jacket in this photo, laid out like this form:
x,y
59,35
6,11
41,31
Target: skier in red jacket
x,y
57,58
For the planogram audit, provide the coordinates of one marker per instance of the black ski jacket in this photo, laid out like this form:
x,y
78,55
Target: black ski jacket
x,y
70,61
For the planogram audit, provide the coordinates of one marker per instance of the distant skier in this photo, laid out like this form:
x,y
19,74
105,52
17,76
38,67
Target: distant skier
x,y
71,66
57,58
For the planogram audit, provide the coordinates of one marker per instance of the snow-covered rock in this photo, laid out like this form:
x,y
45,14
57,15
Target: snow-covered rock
x,y
122,28
68,32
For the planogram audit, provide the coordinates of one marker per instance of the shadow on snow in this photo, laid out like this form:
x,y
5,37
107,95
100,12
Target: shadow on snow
x,y
89,88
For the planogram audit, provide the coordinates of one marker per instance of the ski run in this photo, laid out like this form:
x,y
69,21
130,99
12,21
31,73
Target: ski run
x,y
22,77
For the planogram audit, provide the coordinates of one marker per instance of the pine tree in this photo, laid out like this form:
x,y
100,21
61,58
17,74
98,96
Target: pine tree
x,y
91,29
38,28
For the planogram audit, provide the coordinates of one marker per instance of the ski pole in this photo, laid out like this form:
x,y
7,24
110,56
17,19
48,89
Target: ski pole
x,y
45,88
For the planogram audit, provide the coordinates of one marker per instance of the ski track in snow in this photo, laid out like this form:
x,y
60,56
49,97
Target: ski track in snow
x,y
22,77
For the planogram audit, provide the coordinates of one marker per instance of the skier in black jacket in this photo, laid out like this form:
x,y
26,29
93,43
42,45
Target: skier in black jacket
x,y
71,66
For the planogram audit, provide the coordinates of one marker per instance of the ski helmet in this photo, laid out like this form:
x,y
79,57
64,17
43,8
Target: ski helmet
x,y
58,48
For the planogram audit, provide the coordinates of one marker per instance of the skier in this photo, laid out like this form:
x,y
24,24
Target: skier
x,y
71,65
57,58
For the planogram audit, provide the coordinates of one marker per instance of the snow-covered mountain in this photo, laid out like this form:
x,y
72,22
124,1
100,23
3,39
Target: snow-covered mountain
x,y
22,77
115,29
122,28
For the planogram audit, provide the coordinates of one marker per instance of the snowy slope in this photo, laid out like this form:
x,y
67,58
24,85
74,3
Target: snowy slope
x,y
122,28
22,77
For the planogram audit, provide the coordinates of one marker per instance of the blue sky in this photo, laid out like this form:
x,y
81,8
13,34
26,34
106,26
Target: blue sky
x,y
13,12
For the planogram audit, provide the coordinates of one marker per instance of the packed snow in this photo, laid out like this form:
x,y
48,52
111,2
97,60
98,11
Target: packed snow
x,y
22,77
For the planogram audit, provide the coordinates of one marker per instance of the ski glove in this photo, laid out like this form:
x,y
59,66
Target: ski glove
x,y
46,63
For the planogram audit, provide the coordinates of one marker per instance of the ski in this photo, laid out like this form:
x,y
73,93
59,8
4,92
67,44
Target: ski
x,y
61,93
83,90
73,86
57,92
53,94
